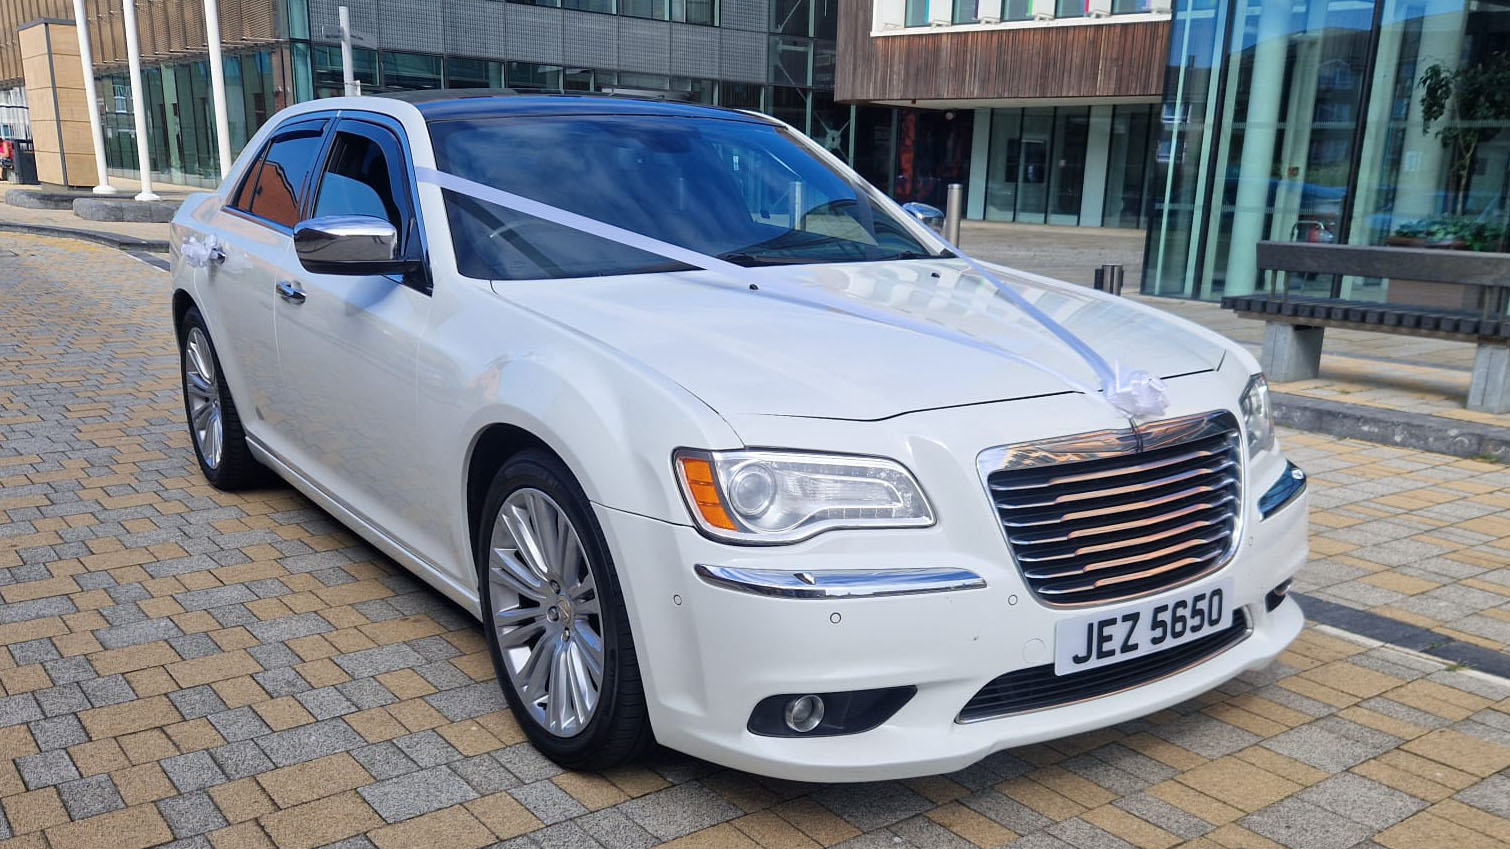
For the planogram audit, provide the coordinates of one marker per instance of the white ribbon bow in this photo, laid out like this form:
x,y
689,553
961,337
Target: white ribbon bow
x,y
199,252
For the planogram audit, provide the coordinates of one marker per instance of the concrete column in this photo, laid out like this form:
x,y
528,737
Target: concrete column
x,y
1489,392
1260,125
1097,151
1291,352
980,160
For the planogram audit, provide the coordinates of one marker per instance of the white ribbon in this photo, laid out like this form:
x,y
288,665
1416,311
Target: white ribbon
x,y
199,252
1135,393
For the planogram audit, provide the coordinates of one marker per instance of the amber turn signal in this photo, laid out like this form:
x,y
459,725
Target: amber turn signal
x,y
697,473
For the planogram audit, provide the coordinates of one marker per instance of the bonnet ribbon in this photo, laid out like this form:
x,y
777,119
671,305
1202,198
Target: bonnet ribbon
x,y
1134,393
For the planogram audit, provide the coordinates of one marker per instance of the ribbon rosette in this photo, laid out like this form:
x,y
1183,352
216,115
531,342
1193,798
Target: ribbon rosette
x,y
199,252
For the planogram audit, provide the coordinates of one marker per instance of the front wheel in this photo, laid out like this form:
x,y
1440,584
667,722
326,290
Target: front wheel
x,y
214,424
556,623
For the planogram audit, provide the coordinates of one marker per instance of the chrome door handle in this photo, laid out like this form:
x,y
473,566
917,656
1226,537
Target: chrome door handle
x,y
290,292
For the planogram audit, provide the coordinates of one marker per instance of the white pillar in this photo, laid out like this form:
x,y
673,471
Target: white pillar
x,y
348,75
138,101
217,84
86,59
980,161
1097,157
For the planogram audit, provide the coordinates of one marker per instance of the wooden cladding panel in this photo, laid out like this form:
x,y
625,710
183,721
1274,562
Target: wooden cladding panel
x,y
1087,60
170,30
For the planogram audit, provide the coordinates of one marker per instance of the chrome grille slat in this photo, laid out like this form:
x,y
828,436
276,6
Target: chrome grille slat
x,y
1114,471
1123,522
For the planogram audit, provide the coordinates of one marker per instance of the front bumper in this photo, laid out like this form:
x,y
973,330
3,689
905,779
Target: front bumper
x,y
709,653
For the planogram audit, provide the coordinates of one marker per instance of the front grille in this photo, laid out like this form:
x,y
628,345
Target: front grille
x,y
1122,513
1038,687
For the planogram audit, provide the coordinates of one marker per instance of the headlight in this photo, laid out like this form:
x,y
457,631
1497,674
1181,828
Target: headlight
x,y
1258,415
767,497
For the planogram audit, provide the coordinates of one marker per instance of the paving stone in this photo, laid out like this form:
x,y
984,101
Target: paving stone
x,y
307,742
417,793
667,814
88,797
325,702
526,763
195,702
192,646
375,661
290,628
427,749
485,774
468,702
137,633
241,759
194,771
15,710
1302,825
1081,834
1362,800
241,723
1323,749
385,760
56,701
613,830
564,835
109,690
191,814
45,769
366,693
58,732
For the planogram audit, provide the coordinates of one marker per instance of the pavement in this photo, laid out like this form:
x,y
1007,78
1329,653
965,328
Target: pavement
x,y
187,667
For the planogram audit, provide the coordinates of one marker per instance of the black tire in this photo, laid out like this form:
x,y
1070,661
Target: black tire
x,y
619,729
237,469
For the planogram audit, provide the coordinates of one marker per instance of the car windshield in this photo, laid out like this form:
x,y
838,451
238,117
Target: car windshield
x,y
744,191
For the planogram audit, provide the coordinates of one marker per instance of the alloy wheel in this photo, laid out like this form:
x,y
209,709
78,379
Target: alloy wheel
x,y
202,386
546,612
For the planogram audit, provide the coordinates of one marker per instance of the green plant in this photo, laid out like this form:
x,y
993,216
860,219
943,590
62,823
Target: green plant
x,y
1476,234
1472,102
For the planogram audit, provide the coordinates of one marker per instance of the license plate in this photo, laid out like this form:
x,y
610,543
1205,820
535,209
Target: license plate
x,y
1101,639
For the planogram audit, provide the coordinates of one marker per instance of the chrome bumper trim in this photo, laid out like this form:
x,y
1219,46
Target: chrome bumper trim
x,y
1285,490
835,583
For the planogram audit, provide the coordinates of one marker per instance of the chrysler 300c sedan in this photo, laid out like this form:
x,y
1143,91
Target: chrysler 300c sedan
x,y
727,450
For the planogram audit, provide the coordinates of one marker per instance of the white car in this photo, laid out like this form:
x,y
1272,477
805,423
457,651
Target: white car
x,y
837,509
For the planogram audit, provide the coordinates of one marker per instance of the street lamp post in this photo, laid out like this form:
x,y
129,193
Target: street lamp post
x,y
348,75
138,101
217,84
86,58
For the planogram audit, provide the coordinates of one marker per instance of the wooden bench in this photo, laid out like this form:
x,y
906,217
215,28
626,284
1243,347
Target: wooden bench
x,y
1295,325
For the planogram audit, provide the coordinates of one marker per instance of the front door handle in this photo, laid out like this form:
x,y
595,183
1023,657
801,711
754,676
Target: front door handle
x,y
290,292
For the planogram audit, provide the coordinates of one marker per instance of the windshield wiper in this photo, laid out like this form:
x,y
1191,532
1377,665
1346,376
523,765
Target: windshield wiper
x,y
749,259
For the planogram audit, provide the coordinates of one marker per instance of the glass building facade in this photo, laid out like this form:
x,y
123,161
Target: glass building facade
x,y
1319,121
795,38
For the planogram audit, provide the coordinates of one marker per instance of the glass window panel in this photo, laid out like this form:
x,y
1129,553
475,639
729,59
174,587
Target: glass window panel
x,y
1068,8
1016,10
1127,7
328,80
644,9
792,17
1003,163
473,73
965,11
529,76
916,13
790,105
791,61
605,6
1127,166
1033,165
410,71
830,124
1071,134
741,96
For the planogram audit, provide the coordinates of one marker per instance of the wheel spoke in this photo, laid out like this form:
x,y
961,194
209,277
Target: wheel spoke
x,y
521,636
525,542
199,387
212,437
533,674
542,521
201,417
584,685
590,646
516,617
510,572
557,697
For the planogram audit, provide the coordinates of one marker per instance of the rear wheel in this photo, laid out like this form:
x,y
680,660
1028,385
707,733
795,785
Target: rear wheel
x,y
214,425
556,623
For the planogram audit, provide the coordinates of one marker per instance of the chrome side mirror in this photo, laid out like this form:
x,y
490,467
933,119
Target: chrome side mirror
x,y
931,216
350,244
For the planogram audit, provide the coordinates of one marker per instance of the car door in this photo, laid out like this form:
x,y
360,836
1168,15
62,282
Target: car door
x,y
254,230
347,344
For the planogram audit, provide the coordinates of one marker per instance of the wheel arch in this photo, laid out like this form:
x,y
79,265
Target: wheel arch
x,y
490,449
182,301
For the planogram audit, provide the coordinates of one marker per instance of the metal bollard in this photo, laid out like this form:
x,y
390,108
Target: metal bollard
x,y
1108,278
954,210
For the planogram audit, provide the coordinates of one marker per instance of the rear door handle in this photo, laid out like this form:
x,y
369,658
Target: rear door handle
x,y
290,292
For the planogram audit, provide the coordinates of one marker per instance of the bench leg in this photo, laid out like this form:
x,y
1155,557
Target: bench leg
x,y
1490,390
1291,352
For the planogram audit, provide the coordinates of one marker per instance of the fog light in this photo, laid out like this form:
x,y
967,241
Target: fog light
x,y
804,713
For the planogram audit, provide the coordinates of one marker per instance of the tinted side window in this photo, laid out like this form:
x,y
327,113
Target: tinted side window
x,y
358,181
277,179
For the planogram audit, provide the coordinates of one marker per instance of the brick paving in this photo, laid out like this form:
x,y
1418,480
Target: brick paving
x,y
181,666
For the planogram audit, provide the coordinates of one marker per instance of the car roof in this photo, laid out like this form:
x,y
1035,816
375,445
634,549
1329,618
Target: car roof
x,y
451,104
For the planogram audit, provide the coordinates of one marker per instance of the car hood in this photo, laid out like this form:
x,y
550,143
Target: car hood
x,y
899,337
